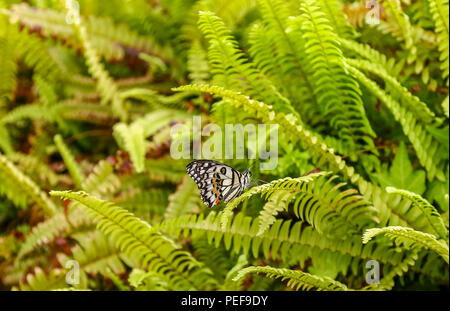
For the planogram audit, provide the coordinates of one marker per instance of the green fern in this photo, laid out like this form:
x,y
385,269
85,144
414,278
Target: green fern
x,y
285,240
229,284
136,238
69,160
428,210
315,200
21,190
274,49
5,140
184,201
197,63
439,11
428,149
328,67
47,231
39,281
410,238
401,19
389,209
7,62
107,36
102,179
359,108
132,137
296,279
95,254
105,84
230,67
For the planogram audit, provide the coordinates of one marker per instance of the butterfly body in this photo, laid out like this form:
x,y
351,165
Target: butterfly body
x,y
216,181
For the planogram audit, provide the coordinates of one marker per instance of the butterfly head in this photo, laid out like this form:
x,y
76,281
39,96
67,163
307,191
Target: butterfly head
x,y
246,176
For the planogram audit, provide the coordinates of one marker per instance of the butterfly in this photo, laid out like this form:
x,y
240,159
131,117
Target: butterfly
x,y
216,181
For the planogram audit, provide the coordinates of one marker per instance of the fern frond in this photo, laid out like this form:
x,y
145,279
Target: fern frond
x,y
34,167
118,282
231,68
231,12
21,190
331,209
387,281
338,92
317,200
184,201
165,170
289,241
274,205
5,140
136,238
264,55
288,183
35,111
95,254
337,18
86,112
74,170
445,107
197,63
427,209
108,38
146,281
149,202
36,55
411,102
410,238
218,259
39,281
439,11
367,52
57,225
401,19
8,65
229,284
105,84
427,148
45,90
132,137
390,210
281,56
16,272
102,179
296,279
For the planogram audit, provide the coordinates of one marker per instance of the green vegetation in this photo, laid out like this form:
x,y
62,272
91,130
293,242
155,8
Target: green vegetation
x,y
88,101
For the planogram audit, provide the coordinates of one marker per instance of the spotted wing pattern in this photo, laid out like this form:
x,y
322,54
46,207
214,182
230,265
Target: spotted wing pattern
x,y
216,181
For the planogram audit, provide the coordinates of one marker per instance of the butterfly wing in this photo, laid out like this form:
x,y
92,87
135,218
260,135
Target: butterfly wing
x,y
216,181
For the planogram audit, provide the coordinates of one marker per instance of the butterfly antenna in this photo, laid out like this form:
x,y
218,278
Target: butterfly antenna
x,y
257,181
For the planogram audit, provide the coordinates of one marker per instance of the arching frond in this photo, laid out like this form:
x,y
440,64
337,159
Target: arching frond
x,y
439,11
136,238
427,209
69,160
21,190
410,238
296,279
390,210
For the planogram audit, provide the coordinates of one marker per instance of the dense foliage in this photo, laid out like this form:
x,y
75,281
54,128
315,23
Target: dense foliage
x,y
87,181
